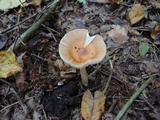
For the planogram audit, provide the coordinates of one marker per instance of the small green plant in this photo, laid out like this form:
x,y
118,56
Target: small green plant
x,y
143,49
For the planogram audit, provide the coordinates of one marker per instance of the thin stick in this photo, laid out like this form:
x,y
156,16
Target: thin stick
x,y
110,77
97,68
24,37
132,98
4,31
9,106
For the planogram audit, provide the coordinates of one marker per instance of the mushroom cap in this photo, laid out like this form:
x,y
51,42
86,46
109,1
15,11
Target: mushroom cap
x,y
73,51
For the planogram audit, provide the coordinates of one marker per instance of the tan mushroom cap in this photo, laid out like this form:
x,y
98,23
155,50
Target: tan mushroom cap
x,y
73,52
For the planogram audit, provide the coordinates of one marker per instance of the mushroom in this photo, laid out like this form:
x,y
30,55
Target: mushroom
x,y
79,50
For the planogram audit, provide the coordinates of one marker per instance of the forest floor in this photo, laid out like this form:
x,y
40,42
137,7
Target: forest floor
x,y
49,89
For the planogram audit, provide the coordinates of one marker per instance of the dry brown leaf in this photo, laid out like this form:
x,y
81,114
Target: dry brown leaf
x,y
117,1
21,81
92,107
155,3
155,31
136,13
151,67
134,32
157,83
65,70
118,34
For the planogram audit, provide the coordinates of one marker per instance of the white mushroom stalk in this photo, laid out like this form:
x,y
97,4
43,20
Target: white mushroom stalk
x,y
83,71
84,76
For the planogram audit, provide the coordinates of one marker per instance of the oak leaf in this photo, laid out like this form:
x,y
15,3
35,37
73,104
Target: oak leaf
x,y
92,107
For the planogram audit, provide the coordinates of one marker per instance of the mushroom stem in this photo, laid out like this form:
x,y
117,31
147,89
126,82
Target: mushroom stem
x,y
84,76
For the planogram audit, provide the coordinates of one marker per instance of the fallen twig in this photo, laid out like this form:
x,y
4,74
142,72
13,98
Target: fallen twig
x,y
9,106
132,98
110,77
23,37
98,67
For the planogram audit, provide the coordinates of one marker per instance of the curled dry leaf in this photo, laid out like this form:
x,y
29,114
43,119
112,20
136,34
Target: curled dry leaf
x,y
92,107
134,32
8,64
136,13
118,34
155,31
152,67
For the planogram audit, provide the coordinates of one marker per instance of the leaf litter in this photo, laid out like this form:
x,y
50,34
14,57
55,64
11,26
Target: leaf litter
x,y
47,88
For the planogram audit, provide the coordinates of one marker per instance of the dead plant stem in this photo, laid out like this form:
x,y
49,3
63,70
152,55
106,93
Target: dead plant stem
x,y
24,37
9,106
98,67
132,99
110,77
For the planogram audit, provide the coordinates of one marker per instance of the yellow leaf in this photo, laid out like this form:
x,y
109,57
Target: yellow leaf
x,y
8,4
92,107
8,64
136,13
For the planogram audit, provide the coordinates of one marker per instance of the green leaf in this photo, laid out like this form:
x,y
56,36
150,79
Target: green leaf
x,y
143,49
82,1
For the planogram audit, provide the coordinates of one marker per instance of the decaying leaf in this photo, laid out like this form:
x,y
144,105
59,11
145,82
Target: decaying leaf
x,y
134,32
157,83
8,64
117,1
143,48
136,13
118,34
3,40
151,67
155,3
92,107
155,31
8,4
58,66
21,83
